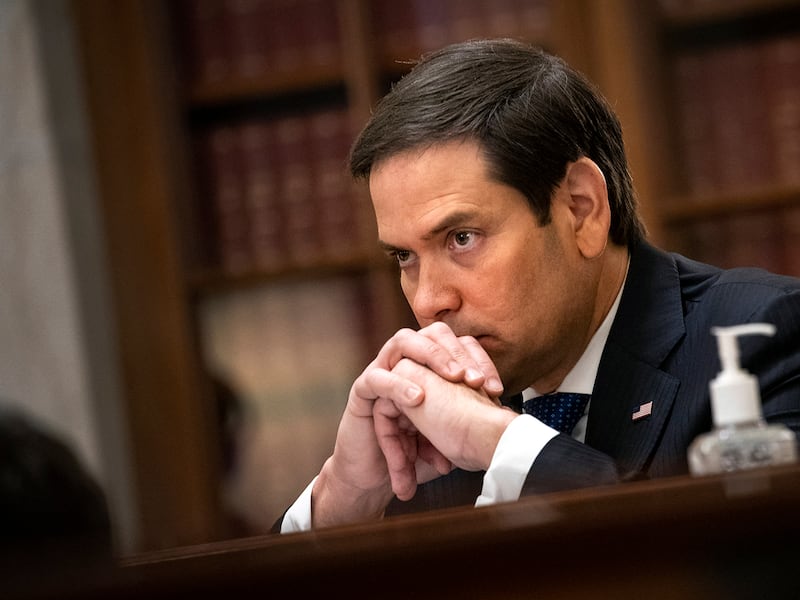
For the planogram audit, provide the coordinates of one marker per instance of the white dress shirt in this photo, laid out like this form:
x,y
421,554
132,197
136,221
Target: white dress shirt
x,y
520,444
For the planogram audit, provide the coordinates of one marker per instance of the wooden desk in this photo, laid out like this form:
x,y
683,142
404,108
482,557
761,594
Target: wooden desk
x,y
719,537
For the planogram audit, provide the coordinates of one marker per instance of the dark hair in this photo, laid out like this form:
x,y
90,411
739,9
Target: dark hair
x,y
53,515
529,111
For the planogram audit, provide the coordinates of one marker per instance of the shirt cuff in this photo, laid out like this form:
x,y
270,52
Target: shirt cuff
x,y
298,517
520,444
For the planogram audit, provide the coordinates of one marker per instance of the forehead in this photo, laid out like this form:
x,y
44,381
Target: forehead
x,y
421,191
426,173
442,154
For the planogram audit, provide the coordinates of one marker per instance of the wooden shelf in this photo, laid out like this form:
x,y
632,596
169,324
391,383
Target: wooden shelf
x,y
712,13
237,90
680,210
203,282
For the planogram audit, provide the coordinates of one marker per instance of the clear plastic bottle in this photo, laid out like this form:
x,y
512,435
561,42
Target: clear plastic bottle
x,y
741,439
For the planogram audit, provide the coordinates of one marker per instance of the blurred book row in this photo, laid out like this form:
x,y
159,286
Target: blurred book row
x,y
769,239
280,194
738,107
227,40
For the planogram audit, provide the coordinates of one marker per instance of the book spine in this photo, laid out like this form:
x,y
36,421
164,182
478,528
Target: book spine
x,y
503,19
205,42
692,94
431,24
261,180
738,118
781,66
466,19
223,162
246,40
535,18
332,198
754,240
281,21
296,189
320,33
405,29
707,242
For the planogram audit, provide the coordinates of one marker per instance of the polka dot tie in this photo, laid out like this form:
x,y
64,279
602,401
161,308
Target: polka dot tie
x,y
561,410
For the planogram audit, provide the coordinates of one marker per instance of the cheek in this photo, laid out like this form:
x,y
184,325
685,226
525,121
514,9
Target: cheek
x,y
500,296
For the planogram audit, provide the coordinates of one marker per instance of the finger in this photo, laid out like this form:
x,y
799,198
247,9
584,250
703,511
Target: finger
x,y
376,383
399,449
428,452
492,384
471,359
424,349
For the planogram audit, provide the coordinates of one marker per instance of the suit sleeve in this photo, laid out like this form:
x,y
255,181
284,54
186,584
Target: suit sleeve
x,y
776,361
566,464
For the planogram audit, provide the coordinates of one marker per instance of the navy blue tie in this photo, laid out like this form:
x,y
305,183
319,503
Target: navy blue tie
x,y
560,410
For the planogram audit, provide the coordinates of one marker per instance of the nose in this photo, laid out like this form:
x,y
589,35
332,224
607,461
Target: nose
x,y
433,293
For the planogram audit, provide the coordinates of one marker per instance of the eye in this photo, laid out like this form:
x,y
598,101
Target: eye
x,y
403,257
462,240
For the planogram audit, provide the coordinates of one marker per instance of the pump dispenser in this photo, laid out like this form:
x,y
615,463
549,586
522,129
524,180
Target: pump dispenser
x,y
741,439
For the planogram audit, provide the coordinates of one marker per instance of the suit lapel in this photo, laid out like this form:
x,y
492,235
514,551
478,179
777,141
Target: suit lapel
x,y
648,325
612,427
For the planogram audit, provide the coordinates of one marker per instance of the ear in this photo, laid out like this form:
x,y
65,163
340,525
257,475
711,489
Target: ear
x,y
588,205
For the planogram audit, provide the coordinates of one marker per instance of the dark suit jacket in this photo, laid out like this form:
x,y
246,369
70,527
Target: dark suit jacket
x,y
660,349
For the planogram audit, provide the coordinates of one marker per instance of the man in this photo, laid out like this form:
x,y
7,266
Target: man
x,y
501,188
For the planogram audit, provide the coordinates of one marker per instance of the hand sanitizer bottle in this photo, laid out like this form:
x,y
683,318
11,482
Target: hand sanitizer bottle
x,y
741,438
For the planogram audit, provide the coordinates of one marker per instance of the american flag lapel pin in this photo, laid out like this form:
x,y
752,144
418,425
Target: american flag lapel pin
x,y
642,411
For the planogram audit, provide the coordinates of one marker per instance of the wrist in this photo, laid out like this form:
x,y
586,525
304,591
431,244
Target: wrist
x,y
334,501
493,428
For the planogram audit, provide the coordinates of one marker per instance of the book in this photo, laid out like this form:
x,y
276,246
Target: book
x,y
395,26
319,33
338,219
203,41
754,239
262,194
296,189
781,65
221,165
706,241
695,124
246,37
739,116
466,19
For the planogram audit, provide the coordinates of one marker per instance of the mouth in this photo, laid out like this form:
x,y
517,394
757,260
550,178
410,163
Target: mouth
x,y
486,340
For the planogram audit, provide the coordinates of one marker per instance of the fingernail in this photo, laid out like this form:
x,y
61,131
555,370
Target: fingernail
x,y
493,383
413,392
473,374
454,368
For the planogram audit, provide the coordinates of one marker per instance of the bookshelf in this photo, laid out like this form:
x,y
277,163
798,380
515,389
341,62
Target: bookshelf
x,y
209,292
734,74
212,300
281,234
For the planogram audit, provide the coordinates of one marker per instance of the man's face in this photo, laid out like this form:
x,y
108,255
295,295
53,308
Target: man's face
x,y
473,255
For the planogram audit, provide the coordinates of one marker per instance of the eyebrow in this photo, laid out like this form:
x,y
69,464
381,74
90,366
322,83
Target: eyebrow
x,y
450,221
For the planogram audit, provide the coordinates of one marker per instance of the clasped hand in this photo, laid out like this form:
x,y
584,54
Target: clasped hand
x,y
427,403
